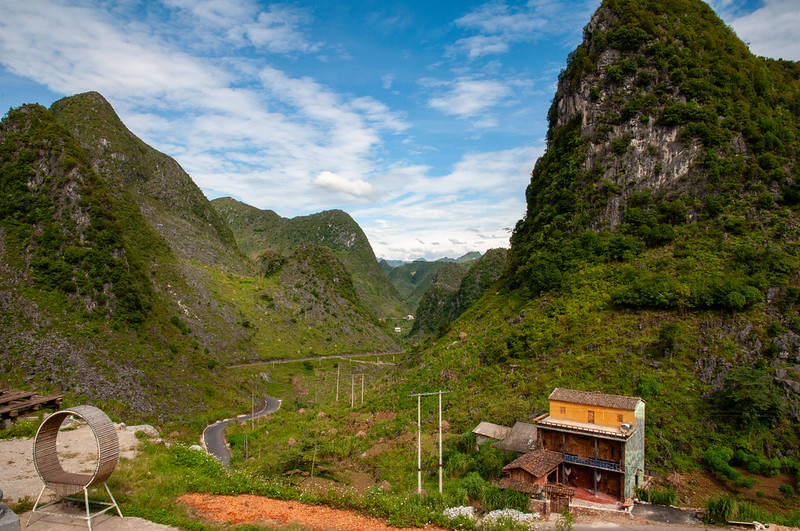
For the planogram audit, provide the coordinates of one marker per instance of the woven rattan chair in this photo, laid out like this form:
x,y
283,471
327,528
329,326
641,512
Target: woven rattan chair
x,y
48,465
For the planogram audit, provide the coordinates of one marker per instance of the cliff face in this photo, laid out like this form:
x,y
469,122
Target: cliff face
x,y
168,198
661,98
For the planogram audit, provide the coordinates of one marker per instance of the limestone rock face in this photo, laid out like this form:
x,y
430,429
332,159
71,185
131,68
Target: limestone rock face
x,y
626,152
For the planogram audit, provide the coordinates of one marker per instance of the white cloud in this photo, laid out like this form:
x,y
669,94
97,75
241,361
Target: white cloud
x,y
499,25
480,45
487,189
241,126
337,183
467,97
277,30
771,30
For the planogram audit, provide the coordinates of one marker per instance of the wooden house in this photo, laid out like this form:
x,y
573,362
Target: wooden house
x,y
531,472
588,440
601,439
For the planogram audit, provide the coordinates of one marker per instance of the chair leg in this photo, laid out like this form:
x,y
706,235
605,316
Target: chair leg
x,y
88,513
36,504
113,500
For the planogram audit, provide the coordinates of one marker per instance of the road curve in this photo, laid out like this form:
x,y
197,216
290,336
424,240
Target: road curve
x,y
214,435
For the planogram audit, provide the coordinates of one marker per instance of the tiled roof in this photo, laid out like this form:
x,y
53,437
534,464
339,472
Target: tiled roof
x,y
537,463
594,398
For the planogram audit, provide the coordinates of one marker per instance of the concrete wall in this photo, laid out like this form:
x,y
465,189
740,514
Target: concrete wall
x,y
634,453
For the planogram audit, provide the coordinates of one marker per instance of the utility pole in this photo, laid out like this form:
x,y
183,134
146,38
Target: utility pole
x,y
352,389
440,443
419,438
362,388
337,381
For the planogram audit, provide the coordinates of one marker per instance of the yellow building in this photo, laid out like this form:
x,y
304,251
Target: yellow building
x,y
600,437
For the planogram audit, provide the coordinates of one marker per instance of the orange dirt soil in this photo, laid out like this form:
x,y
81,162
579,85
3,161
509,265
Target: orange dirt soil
x,y
259,510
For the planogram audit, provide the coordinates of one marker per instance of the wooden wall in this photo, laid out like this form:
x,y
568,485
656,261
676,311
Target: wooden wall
x,y
602,416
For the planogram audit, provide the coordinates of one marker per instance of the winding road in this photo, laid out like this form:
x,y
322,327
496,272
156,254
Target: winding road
x,y
214,435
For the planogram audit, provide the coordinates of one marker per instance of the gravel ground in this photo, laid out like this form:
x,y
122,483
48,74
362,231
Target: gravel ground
x,y
77,451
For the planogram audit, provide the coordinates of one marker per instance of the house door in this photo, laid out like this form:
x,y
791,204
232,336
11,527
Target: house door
x,y
591,417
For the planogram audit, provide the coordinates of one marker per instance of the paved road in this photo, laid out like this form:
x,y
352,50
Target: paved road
x,y
214,435
314,358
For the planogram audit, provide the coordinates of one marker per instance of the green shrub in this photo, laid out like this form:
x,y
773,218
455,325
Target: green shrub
x,y
717,459
786,489
720,509
659,496
493,498
20,428
516,500
473,484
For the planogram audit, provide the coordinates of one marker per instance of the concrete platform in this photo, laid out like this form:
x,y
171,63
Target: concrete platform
x,y
103,522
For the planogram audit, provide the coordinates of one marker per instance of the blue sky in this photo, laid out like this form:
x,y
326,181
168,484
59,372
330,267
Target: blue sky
x,y
422,120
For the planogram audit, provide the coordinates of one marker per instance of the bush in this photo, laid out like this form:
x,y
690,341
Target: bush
x,y
662,496
473,483
493,498
717,459
788,490
720,509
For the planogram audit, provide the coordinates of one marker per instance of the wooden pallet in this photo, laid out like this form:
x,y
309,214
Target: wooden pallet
x,y
16,403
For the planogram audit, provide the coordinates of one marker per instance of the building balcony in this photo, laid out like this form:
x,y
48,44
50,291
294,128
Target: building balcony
x,y
592,462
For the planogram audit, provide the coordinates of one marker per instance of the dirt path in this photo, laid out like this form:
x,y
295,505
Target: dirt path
x,y
258,510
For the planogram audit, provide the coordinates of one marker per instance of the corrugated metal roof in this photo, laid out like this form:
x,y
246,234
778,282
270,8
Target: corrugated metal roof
x,y
594,398
521,438
493,431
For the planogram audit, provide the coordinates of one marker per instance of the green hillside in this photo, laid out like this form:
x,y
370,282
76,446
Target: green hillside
x,y
659,253
120,283
259,233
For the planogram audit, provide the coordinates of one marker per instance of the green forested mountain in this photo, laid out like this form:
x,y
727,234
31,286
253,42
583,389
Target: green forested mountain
x,y
262,233
659,253
454,290
413,279
119,280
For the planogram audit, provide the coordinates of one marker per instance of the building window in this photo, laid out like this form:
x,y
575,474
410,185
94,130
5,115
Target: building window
x,y
562,410
619,418
591,417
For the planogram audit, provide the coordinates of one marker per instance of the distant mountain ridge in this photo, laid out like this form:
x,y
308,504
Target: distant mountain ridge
x,y
257,231
412,279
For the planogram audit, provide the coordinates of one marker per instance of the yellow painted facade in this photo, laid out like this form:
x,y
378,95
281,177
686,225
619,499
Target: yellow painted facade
x,y
587,414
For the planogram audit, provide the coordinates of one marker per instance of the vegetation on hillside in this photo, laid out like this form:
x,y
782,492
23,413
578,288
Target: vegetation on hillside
x,y
269,238
454,290
680,288
136,298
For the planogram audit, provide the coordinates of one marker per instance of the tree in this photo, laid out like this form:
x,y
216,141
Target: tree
x,y
749,398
